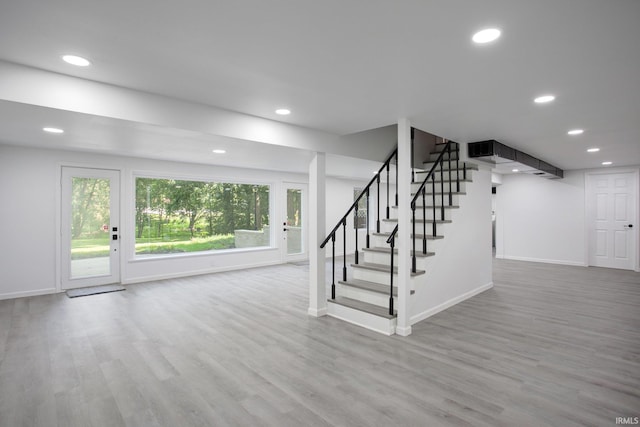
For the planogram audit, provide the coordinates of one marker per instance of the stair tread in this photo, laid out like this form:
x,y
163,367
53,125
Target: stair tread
x,y
382,267
371,286
376,310
395,251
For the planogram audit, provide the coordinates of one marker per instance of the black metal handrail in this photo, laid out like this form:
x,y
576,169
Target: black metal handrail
x,y
354,207
421,192
392,241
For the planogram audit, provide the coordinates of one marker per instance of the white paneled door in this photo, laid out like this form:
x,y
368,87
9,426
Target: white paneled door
x,y
90,227
611,220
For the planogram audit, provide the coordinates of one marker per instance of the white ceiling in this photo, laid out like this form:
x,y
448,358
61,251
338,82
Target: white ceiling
x,y
344,67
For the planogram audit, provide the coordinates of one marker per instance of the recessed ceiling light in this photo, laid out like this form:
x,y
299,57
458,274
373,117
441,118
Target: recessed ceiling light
x,y
486,36
575,132
607,163
544,99
283,111
218,151
76,60
53,130
515,170
593,150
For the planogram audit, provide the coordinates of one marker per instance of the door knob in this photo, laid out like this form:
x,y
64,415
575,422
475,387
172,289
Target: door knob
x,y
628,226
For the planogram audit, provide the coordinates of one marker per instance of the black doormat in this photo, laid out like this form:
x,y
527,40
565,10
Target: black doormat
x,y
83,292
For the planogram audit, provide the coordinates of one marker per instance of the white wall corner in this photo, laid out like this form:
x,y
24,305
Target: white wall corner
x,y
403,331
315,312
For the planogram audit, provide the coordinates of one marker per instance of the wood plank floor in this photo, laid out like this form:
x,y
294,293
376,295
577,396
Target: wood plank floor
x,y
547,346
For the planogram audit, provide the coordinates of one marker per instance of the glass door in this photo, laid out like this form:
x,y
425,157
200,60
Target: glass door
x,y
295,222
90,227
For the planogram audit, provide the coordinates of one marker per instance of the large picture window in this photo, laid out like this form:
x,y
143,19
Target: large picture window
x,y
177,216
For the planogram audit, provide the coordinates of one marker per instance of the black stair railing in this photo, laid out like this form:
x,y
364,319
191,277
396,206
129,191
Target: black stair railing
x,y
354,207
441,165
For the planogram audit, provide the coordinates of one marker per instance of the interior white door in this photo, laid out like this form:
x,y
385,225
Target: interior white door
x,y
294,225
611,216
90,227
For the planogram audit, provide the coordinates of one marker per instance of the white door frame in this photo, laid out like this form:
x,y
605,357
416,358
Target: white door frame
x,y
636,225
66,173
305,222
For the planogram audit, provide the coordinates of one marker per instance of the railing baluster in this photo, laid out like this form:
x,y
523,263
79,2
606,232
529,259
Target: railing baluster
x,y
344,250
391,280
433,196
457,168
388,165
333,266
442,189
367,218
378,203
424,224
413,237
355,219
396,180
413,172
450,196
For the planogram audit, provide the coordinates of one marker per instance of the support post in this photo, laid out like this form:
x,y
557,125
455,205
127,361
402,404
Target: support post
x,y
317,221
403,242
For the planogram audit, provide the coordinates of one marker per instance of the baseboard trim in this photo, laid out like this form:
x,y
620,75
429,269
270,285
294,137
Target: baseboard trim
x,y
23,294
545,261
319,312
403,331
450,303
197,272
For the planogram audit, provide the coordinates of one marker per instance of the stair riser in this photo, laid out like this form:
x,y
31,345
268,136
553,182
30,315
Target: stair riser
x,y
366,320
434,156
455,198
432,245
446,184
382,258
381,277
387,227
364,295
445,175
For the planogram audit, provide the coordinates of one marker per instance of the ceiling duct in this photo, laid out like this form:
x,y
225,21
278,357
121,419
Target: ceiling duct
x,y
507,159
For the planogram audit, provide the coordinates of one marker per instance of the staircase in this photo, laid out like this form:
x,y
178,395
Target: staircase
x,y
365,294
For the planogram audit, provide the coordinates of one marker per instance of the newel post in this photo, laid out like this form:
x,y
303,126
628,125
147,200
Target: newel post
x,y
317,221
403,240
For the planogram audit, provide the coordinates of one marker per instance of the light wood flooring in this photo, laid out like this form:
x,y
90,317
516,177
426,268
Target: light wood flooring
x,y
547,346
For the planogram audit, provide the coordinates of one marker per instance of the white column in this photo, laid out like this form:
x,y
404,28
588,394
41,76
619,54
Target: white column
x,y
317,221
403,241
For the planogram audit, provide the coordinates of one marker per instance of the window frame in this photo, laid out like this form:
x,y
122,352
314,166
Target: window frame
x,y
131,216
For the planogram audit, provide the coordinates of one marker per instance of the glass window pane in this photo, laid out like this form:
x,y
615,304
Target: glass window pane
x,y
294,221
90,244
177,216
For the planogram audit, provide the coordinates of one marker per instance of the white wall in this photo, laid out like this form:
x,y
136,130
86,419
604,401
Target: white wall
x,y
30,188
539,219
461,266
